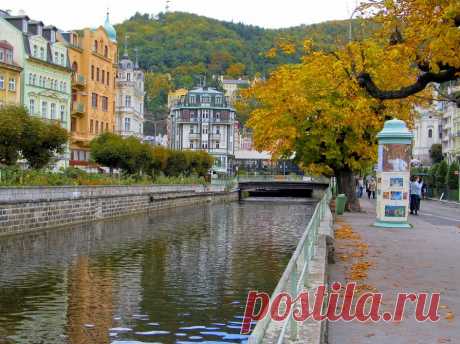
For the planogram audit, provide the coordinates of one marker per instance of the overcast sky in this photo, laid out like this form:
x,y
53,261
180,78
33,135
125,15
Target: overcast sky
x,y
266,13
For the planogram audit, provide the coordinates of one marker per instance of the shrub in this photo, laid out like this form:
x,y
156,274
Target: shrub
x,y
441,176
452,177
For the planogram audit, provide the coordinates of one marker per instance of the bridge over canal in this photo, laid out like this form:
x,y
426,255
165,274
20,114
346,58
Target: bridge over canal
x,y
281,186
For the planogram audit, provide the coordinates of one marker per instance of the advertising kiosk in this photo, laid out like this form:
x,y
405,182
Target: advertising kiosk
x,y
393,175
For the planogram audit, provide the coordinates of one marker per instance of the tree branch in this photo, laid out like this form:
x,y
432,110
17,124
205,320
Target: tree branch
x,y
365,81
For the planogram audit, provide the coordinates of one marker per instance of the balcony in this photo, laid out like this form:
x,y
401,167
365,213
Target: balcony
x,y
80,137
78,81
78,108
194,135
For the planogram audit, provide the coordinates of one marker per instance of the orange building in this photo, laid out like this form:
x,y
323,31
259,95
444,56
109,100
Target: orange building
x,y
93,58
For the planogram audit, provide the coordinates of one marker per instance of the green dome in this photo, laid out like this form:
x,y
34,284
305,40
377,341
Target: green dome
x,y
111,32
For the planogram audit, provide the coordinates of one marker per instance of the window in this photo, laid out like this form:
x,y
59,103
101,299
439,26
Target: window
x,y
97,74
95,46
205,99
65,87
127,124
9,56
97,127
35,51
128,76
2,57
53,110
128,101
107,127
106,51
217,145
218,100
42,53
430,133
103,77
94,100
92,72
105,104
73,125
108,78
91,126
2,81
44,109
205,145
191,145
192,99
32,106
62,112
30,79
63,60
56,57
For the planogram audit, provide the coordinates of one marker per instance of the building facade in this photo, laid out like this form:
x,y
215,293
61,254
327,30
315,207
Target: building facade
x,y
427,132
10,76
204,120
93,59
451,124
129,108
46,74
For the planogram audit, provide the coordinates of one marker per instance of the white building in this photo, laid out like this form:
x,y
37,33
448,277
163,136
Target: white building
x,y
427,132
232,87
203,120
129,104
451,125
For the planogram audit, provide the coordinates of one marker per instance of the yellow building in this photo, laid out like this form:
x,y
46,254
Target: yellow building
x,y
93,58
10,76
175,96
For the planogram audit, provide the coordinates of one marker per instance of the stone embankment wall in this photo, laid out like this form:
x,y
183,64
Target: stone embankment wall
x,y
26,209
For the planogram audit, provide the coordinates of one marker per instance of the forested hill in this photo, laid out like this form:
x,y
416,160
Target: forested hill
x,y
185,44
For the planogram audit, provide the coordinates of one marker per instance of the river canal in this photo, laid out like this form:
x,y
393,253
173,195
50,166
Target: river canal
x,y
173,276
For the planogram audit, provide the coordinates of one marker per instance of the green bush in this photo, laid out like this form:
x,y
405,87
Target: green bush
x,y
441,176
452,177
134,157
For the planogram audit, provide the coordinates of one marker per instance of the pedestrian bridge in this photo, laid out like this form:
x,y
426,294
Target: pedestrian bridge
x,y
281,186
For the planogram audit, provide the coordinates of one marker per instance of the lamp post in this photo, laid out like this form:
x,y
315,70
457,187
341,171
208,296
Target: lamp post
x,y
393,174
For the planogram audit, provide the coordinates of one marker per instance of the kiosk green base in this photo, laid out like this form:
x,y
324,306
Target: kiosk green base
x,y
388,224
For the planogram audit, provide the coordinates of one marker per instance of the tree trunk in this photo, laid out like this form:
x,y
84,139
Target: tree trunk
x,y
346,184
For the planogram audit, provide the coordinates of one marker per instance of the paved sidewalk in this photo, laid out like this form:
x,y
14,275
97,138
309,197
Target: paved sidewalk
x,y
425,258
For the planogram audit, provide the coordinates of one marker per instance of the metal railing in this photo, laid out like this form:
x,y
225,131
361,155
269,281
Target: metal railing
x,y
281,178
295,276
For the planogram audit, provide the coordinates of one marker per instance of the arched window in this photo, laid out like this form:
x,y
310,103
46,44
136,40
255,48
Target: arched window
x,y
75,66
430,133
106,51
95,45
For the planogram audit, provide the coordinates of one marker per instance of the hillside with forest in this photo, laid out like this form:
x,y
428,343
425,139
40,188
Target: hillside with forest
x,y
178,48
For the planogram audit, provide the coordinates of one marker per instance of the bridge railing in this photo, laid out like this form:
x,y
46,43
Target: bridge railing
x,y
280,178
294,277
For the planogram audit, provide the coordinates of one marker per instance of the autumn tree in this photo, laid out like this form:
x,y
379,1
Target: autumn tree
x,y
426,33
318,111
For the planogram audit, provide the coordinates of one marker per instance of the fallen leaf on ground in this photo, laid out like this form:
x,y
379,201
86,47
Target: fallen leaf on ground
x,y
449,316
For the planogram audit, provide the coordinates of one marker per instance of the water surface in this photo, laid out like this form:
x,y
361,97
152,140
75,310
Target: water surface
x,y
175,276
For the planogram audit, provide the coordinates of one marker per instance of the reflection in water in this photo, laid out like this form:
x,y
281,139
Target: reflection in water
x,y
179,275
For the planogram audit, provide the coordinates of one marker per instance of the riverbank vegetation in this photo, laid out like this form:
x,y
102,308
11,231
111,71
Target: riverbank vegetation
x,y
29,138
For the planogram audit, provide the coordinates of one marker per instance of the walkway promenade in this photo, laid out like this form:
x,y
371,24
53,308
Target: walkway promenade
x,y
423,259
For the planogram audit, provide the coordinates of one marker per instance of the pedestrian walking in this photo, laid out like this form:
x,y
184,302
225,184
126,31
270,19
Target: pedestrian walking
x,y
415,194
424,188
371,186
419,192
360,187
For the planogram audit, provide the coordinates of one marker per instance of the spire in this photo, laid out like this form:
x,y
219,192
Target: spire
x,y
136,62
125,54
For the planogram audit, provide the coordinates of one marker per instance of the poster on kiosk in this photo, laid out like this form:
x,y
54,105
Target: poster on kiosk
x,y
393,175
